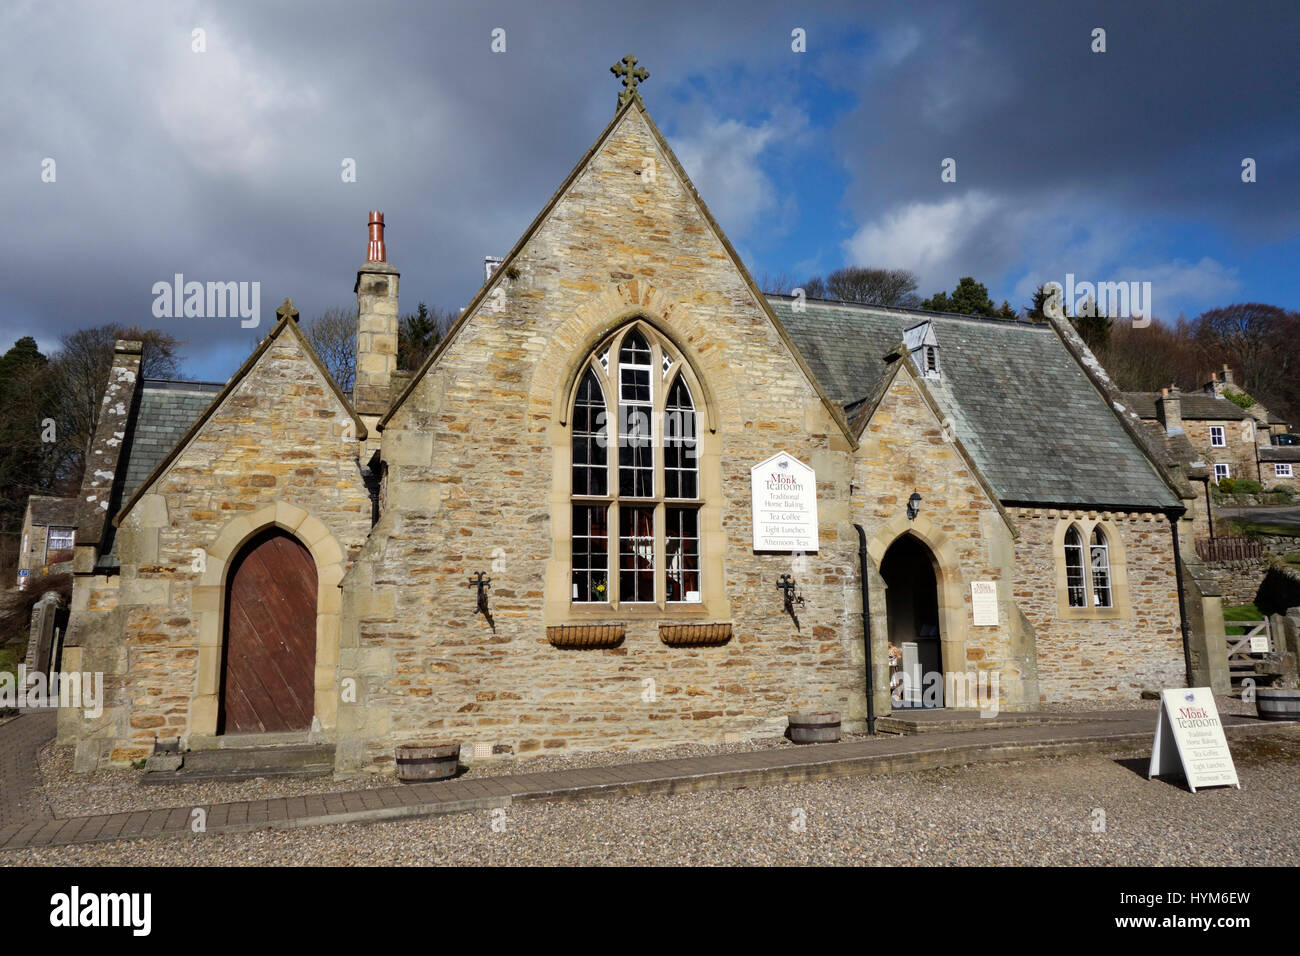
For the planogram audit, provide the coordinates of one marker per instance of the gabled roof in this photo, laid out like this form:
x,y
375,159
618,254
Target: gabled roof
x,y
1192,406
1021,404
899,359
168,412
500,274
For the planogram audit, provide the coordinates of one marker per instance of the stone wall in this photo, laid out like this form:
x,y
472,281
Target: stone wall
x,y
477,478
1237,581
279,442
1117,656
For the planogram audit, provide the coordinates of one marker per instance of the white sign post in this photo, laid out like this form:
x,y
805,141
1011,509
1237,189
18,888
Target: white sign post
x,y
1189,736
784,495
984,603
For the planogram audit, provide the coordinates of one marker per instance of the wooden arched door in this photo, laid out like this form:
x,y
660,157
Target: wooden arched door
x,y
268,662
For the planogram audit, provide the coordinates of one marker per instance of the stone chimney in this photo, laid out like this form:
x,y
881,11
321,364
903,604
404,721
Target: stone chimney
x,y
490,265
1227,377
94,514
1169,409
376,291
1214,386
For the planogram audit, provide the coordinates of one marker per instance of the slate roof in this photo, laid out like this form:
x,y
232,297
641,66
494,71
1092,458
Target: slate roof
x,y
1279,453
1193,406
53,512
164,413
1031,418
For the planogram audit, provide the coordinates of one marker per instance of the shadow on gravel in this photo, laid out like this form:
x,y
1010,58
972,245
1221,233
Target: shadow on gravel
x,y
1140,765
1248,752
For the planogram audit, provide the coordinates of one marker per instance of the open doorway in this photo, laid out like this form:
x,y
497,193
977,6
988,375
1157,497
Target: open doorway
x,y
912,604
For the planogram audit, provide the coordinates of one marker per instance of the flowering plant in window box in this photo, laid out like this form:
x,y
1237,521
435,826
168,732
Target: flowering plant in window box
x,y
599,591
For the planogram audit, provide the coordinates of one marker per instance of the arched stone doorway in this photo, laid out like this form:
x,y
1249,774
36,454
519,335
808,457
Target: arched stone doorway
x,y
268,665
911,576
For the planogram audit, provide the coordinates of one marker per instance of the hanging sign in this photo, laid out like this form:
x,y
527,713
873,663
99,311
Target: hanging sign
x,y
1189,737
984,603
784,494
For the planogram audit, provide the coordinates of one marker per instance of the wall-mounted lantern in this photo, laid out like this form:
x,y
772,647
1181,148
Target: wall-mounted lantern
x,y
913,506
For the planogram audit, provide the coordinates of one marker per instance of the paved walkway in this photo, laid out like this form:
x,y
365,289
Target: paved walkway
x,y
21,739
724,771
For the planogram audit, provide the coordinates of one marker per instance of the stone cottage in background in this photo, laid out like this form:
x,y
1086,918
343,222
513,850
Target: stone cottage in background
x,y
49,529
644,455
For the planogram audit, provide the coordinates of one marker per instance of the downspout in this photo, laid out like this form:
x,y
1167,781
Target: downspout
x,y
1209,511
866,629
1173,517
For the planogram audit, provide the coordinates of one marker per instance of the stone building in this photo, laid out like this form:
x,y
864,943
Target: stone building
x,y
646,457
49,528
1230,440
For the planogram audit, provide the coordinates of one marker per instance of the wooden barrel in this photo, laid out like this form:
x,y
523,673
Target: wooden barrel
x,y
418,762
821,728
1277,703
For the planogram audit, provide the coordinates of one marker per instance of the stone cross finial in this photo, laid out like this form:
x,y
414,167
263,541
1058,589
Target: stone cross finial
x,y
287,311
631,75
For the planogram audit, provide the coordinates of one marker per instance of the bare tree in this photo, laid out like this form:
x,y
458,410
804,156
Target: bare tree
x,y
888,287
333,335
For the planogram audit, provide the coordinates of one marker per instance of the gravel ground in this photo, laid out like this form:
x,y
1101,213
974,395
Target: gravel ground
x,y
1030,812
116,791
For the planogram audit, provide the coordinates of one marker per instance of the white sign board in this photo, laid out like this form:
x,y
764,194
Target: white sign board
x,y
1259,645
1189,736
984,603
784,493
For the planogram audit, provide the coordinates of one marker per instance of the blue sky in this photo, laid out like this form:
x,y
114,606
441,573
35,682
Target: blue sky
x,y
224,164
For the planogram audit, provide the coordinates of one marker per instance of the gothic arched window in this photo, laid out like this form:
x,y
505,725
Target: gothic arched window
x,y
1100,555
1074,578
635,476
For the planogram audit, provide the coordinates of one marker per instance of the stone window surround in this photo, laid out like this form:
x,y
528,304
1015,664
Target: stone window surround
x,y
713,604
209,602
1085,522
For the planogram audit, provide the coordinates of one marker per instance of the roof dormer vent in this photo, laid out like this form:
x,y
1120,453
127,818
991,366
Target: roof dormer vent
x,y
924,346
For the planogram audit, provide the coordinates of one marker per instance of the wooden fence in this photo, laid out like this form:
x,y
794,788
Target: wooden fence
x,y
1229,548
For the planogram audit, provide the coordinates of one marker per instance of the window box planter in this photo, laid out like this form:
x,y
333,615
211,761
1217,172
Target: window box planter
x,y
695,635
586,636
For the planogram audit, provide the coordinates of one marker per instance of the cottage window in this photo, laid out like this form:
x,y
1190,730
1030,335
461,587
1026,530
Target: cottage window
x,y
1074,579
1217,437
60,539
1221,471
1282,471
638,479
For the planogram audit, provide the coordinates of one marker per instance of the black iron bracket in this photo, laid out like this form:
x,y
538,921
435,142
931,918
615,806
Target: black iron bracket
x,y
792,597
482,583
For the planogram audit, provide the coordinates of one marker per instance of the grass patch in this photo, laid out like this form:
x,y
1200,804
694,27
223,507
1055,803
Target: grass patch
x,y
9,661
1252,529
1240,612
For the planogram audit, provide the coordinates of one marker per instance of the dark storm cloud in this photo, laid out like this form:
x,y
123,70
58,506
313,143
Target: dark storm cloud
x,y
225,165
